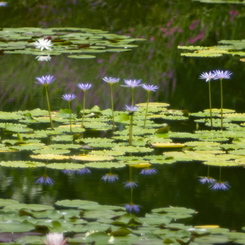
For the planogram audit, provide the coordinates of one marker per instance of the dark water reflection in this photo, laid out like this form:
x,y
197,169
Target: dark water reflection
x,y
156,61
173,185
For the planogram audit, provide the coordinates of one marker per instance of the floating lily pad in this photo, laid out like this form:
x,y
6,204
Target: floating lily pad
x,y
22,164
92,158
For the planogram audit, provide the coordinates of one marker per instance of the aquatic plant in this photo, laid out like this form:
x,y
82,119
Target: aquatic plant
x,y
111,81
84,87
219,74
208,76
55,239
149,89
43,43
45,81
132,84
131,110
69,98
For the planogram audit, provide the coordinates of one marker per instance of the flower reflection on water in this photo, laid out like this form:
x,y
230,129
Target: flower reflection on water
x,y
130,184
45,180
110,178
206,180
148,171
132,208
219,185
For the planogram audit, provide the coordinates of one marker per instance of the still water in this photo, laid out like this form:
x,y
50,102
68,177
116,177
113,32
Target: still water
x,y
156,61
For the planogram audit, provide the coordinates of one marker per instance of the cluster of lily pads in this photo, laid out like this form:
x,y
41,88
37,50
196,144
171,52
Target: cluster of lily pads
x,y
78,43
86,222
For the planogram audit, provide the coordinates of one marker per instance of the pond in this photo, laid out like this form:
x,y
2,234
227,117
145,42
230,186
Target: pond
x,y
136,159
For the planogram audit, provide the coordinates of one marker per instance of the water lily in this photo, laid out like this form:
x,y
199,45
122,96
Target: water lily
x,y
55,239
219,74
132,84
84,87
111,81
69,98
208,76
131,109
45,81
45,180
149,89
3,4
43,43
132,208
110,177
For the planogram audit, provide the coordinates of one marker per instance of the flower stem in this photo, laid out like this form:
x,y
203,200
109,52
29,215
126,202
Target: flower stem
x,y
131,130
147,104
84,100
112,106
210,104
221,103
69,107
132,96
48,104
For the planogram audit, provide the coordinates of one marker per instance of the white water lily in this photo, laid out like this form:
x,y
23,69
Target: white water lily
x,y
55,239
43,44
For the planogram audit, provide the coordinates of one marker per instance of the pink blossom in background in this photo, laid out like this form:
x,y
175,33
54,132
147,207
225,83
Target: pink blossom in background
x,y
194,24
152,39
233,13
99,61
196,38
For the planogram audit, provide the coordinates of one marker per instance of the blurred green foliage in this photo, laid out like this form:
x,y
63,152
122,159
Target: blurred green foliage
x,y
164,25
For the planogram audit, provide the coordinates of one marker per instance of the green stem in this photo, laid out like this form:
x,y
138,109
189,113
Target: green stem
x,y
84,100
131,130
219,173
147,104
210,104
112,106
48,104
132,96
69,107
131,195
221,103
